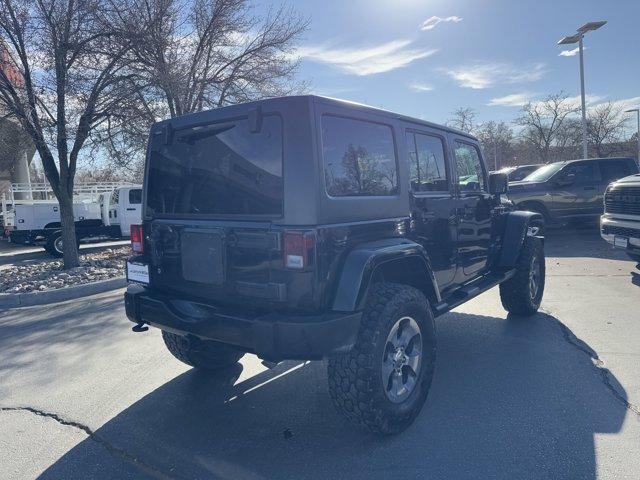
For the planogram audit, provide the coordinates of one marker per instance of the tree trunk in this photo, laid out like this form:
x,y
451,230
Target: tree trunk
x,y
68,229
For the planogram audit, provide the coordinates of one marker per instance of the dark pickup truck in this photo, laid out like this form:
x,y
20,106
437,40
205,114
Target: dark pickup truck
x,y
310,228
570,191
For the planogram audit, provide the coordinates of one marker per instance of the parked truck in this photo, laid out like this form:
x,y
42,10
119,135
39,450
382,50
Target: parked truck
x,y
109,216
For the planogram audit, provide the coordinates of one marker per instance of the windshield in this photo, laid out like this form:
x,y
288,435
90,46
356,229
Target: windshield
x,y
544,173
218,169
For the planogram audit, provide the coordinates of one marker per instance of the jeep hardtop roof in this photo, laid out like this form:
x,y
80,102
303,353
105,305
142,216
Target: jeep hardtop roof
x,y
306,201
274,102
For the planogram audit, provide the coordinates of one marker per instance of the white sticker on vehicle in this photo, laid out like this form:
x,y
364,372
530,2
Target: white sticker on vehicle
x,y
138,273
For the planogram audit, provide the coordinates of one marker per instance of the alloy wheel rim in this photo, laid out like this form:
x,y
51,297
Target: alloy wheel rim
x,y
58,244
402,359
534,277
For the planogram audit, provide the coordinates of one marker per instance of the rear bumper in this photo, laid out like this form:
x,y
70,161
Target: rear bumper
x,y
271,336
614,227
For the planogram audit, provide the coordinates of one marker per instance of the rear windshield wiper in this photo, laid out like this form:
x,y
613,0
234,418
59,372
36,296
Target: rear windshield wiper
x,y
199,133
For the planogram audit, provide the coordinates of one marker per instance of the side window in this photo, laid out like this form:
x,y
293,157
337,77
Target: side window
x,y
114,197
135,196
469,168
359,158
427,167
613,170
584,172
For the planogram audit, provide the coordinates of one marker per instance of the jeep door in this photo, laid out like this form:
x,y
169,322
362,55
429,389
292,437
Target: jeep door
x,y
474,206
433,207
576,190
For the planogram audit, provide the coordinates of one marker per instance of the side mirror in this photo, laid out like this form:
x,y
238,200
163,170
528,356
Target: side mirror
x,y
498,183
566,180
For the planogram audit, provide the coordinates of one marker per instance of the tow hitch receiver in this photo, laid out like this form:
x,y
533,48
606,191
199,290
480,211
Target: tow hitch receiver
x,y
139,327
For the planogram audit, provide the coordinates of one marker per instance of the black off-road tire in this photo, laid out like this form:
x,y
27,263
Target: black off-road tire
x,y
517,294
204,355
355,377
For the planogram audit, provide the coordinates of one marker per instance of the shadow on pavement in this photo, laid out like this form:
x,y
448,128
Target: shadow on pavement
x,y
511,398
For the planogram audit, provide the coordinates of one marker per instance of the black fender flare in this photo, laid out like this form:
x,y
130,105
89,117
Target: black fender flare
x,y
515,231
361,263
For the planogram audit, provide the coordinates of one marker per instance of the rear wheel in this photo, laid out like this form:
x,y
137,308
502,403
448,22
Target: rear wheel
x,y
522,293
54,245
383,381
204,355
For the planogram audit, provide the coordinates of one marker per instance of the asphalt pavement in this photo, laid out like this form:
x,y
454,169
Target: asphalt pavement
x,y
553,396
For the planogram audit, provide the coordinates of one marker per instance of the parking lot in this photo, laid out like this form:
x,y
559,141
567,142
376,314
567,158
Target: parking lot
x,y
554,396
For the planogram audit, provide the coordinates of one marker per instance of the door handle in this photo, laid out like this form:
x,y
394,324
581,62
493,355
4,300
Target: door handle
x,y
589,188
130,209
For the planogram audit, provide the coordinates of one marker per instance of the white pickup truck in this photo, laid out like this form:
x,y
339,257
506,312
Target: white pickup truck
x,y
620,224
110,216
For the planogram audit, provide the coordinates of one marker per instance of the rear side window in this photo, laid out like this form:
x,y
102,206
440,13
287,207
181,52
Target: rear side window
x,y
427,167
359,158
114,197
613,170
469,168
135,196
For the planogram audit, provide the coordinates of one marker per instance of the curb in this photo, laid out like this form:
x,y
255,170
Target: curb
x,y
28,299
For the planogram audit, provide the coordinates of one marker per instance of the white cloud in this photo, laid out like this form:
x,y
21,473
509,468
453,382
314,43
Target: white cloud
x,y
369,60
421,87
627,103
589,100
431,22
513,100
484,75
569,53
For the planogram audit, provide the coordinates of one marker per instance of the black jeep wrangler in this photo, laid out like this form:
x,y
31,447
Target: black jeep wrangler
x,y
309,228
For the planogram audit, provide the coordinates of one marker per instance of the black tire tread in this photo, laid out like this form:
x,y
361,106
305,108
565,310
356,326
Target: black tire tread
x,y
210,357
351,392
514,293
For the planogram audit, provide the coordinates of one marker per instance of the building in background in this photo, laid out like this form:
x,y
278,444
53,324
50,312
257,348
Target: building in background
x,y
16,148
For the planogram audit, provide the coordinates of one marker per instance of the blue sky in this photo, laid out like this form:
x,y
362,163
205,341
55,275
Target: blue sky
x,y
491,55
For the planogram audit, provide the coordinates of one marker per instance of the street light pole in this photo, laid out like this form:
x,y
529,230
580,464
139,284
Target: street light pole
x,y
578,38
585,152
637,111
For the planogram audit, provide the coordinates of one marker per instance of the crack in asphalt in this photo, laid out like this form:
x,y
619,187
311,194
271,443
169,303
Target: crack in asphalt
x,y
112,449
597,362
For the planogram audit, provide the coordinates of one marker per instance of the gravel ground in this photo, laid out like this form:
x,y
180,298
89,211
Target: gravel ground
x,y
49,275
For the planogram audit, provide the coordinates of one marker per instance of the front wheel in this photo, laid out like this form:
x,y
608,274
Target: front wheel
x,y
522,293
383,381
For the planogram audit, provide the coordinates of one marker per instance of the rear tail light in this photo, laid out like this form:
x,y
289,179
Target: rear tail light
x,y
137,242
298,249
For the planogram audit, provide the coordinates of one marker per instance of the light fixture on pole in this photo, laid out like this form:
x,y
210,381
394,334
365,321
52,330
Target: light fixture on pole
x,y
637,111
577,38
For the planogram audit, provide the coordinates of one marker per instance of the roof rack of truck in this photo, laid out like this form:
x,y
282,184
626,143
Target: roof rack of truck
x,y
43,191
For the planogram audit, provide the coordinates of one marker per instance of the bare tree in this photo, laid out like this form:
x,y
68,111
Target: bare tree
x,y
200,54
605,125
542,121
495,138
463,119
71,64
